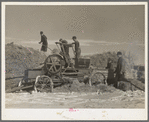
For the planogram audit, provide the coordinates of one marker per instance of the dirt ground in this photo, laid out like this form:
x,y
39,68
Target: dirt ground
x,y
113,99
76,95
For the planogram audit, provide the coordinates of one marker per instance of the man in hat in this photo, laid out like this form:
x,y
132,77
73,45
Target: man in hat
x,y
120,69
44,42
65,46
65,49
77,49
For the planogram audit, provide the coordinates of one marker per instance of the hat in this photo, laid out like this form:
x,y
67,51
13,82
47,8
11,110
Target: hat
x,y
41,32
60,39
109,59
119,53
74,37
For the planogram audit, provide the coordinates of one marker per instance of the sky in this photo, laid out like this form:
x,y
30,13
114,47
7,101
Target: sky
x,y
98,28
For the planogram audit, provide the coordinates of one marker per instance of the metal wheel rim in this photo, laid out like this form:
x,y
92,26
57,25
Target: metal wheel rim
x,y
53,64
42,84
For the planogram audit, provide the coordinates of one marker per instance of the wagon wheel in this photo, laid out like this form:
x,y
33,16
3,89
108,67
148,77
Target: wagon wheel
x,y
97,78
43,84
53,64
57,80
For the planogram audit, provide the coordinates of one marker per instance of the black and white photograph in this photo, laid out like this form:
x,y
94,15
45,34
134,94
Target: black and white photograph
x,y
74,60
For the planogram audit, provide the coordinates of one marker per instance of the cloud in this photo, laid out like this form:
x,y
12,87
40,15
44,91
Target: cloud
x,y
86,43
37,42
92,42
82,42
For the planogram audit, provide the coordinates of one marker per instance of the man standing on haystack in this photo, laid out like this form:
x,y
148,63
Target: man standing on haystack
x,y
120,69
77,50
44,42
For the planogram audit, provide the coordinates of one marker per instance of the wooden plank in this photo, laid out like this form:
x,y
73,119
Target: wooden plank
x,y
26,87
34,73
56,81
8,78
138,84
19,88
73,73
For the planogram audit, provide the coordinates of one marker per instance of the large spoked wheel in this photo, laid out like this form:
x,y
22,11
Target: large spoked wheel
x,y
43,84
53,64
97,78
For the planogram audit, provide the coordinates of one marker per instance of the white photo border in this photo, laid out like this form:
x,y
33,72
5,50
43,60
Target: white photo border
x,y
82,114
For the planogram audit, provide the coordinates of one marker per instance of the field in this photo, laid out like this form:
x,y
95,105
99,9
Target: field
x,y
76,95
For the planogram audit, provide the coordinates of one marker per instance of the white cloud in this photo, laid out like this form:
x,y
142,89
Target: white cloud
x,y
92,42
82,42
